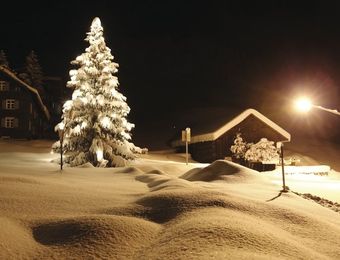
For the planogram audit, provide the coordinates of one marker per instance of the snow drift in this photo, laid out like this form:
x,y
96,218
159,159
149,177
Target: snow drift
x,y
222,170
145,211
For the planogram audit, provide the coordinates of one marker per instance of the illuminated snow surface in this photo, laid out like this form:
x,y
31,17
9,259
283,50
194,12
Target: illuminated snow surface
x,y
159,208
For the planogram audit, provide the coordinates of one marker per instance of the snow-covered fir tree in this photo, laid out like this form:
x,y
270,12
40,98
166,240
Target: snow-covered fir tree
x,y
262,151
239,147
3,59
95,123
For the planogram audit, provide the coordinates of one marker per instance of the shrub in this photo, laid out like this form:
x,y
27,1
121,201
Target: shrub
x,y
262,151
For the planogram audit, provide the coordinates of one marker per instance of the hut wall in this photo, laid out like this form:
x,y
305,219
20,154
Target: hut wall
x,y
204,152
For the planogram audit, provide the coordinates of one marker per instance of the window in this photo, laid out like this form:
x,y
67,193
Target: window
x,y
4,85
11,122
11,104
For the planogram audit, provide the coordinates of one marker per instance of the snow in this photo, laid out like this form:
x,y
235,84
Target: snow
x,y
325,186
159,208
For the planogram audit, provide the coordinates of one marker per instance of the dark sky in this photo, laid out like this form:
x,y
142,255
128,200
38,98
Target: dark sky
x,y
181,54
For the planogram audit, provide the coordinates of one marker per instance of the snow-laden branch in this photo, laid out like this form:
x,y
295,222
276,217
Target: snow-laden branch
x,y
333,111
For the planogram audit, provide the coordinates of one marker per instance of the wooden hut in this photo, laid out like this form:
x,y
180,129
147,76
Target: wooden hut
x,y
208,146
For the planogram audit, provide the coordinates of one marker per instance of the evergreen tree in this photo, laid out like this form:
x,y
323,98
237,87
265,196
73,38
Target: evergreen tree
x,y
94,121
32,71
3,59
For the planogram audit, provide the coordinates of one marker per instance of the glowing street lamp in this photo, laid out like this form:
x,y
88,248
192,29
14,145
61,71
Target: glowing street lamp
x,y
304,105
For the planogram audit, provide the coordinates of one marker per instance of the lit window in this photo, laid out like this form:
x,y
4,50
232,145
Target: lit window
x,y
4,86
11,122
11,104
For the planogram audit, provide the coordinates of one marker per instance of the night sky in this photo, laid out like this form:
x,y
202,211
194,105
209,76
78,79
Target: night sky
x,y
179,55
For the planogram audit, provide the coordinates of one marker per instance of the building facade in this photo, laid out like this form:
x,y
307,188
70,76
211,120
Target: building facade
x,y
23,113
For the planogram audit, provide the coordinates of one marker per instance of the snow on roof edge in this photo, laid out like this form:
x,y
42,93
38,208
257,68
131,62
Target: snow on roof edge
x,y
235,121
34,90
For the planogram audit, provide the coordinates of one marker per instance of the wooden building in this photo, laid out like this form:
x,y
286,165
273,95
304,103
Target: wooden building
x,y
209,145
23,113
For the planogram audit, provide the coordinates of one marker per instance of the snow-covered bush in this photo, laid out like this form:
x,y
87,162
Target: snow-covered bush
x,y
239,147
262,151
94,122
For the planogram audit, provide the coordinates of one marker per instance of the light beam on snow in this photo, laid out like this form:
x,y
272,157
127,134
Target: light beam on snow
x,y
99,154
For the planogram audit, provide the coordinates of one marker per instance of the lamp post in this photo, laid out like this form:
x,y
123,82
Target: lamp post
x,y
284,187
61,138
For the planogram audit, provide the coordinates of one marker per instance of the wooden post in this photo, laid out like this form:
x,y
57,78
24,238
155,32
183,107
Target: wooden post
x,y
61,156
186,152
186,137
283,171
61,138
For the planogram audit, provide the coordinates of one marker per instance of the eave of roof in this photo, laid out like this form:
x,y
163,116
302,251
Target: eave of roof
x,y
235,121
32,89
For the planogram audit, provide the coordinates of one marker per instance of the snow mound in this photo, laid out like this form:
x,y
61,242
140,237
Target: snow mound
x,y
172,183
131,170
158,180
13,234
162,206
217,233
151,177
324,202
86,165
222,170
215,225
157,172
96,237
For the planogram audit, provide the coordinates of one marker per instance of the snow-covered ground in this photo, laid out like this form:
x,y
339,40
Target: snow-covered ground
x,y
325,186
160,208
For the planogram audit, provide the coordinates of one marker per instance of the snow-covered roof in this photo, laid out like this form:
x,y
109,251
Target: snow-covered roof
x,y
211,136
30,88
